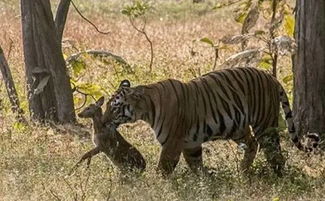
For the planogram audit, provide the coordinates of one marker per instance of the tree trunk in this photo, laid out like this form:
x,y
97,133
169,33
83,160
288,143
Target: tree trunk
x,y
309,68
10,87
49,90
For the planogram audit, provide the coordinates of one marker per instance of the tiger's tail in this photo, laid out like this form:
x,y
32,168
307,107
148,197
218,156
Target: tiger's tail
x,y
313,138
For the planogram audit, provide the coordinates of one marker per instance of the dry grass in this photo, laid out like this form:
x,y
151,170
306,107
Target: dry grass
x,y
35,161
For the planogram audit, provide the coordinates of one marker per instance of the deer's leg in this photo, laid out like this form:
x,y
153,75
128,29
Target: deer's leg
x,y
88,156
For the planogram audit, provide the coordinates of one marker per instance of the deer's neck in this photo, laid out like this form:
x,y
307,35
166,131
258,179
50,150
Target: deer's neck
x,y
97,122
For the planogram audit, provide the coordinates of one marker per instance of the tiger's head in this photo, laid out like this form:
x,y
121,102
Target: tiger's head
x,y
126,105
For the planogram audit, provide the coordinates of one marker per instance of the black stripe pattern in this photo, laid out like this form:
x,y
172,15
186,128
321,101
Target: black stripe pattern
x,y
217,105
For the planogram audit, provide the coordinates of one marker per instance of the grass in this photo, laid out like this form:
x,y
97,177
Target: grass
x,y
35,160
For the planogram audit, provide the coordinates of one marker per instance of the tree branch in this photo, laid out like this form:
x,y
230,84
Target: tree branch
x,y
87,20
96,53
142,31
216,57
61,17
10,86
274,55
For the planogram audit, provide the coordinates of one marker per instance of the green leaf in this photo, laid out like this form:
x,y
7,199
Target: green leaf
x,y
207,41
289,25
259,32
77,100
125,12
276,199
287,79
91,89
138,8
19,127
78,66
266,62
218,5
240,18
223,47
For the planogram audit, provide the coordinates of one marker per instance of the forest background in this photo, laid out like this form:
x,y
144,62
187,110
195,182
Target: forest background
x,y
188,39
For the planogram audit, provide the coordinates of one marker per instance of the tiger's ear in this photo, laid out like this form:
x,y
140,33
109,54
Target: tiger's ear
x,y
137,93
100,101
125,83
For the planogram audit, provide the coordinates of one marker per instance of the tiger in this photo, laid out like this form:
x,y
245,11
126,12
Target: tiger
x,y
224,104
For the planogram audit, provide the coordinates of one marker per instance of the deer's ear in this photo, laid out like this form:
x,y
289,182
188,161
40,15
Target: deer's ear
x,y
125,83
100,101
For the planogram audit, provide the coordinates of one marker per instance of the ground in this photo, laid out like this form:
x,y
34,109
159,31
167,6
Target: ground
x,y
36,160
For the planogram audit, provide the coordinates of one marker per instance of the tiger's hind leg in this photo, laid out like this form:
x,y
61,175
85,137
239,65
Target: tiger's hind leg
x,y
270,144
250,150
193,158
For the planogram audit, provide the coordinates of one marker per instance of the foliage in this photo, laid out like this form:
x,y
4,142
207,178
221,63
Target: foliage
x,y
137,9
277,14
81,63
258,47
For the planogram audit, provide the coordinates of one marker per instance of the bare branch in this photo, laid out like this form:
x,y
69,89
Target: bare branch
x,y
274,55
75,89
134,26
216,57
87,20
10,47
96,53
10,86
151,51
142,31
73,190
54,195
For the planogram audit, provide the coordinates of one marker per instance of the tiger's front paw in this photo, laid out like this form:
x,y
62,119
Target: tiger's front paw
x,y
166,167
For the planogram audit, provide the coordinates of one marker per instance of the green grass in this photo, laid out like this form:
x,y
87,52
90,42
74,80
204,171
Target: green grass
x,y
36,160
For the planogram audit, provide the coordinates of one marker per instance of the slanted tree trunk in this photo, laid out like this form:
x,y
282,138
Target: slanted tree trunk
x,y
309,67
10,87
49,90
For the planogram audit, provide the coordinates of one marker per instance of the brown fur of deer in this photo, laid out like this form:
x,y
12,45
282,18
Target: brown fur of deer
x,y
108,140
